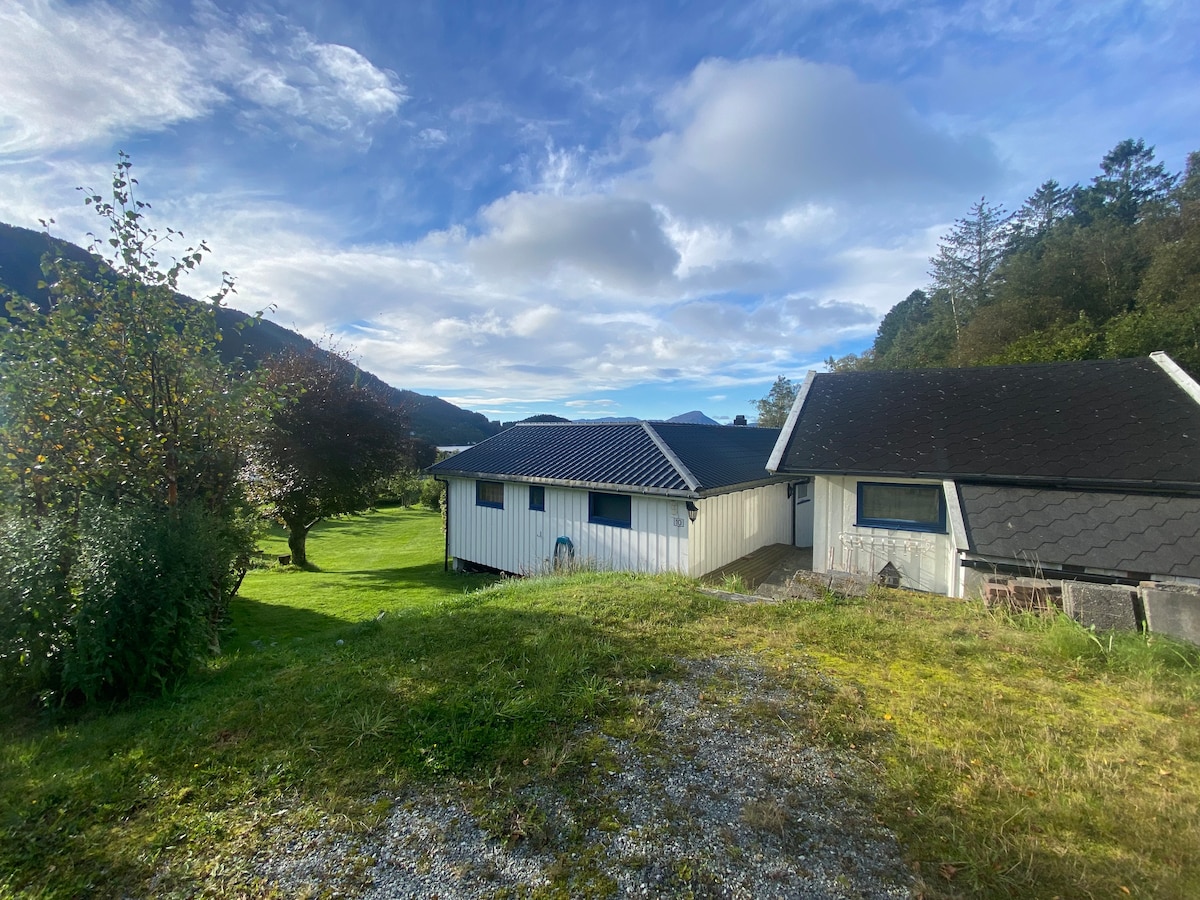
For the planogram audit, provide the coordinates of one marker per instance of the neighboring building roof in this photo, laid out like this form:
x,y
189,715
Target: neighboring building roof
x,y
1109,423
1138,534
646,457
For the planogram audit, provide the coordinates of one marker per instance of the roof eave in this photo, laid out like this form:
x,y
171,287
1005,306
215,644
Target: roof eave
x,y
682,493
1141,486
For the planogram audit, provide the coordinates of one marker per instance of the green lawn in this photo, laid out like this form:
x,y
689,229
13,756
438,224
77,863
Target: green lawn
x,y
1016,758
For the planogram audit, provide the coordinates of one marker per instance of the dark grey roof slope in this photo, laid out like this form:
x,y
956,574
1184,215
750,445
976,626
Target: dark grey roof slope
x,y
720,455
1098,423
1141,534
659,457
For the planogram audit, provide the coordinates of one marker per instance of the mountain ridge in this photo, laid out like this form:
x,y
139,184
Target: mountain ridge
x,y
432,419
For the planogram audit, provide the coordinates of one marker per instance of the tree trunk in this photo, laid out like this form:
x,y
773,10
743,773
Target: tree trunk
x,y
297,540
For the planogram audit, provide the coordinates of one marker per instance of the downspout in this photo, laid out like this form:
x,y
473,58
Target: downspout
x,y
446,536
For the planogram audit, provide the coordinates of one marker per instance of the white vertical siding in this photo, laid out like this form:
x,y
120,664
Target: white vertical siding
x,y
518,539
927,562
731,525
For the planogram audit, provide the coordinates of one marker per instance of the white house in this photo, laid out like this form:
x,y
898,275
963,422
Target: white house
x,y
642,496
1075,470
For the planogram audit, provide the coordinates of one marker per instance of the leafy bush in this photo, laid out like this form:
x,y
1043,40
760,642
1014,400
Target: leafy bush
x,y
35,602
433,493
123,607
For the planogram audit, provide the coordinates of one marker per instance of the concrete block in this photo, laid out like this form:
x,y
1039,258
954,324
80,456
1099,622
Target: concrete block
x,y
849,584
805,585
1108,607
1172,608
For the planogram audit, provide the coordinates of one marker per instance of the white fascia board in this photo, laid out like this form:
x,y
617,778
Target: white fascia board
x,y
1180,377
788,426
958,524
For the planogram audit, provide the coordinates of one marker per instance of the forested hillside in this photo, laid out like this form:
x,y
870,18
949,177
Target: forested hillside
x,y
433,419
1104,270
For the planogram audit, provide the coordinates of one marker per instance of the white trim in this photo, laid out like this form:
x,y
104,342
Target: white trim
x,y
785,435
958,525
684,472
1180,377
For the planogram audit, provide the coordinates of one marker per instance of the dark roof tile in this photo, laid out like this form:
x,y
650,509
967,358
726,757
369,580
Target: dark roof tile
x,y
1121,422
1115,531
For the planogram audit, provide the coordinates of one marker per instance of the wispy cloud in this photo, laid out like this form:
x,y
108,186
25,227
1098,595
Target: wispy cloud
x,y
80,75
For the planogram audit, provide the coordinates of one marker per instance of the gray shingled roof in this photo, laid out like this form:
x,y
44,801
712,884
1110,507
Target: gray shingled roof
x,y
1133,533
1100,423
658,457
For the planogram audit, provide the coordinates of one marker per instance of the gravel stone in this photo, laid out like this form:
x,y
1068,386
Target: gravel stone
x,y
714,803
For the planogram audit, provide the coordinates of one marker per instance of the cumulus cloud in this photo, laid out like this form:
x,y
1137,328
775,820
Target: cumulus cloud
x,y
616,242
758,138
84,74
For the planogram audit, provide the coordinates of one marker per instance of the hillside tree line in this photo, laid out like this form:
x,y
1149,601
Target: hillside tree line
x,y
1106,269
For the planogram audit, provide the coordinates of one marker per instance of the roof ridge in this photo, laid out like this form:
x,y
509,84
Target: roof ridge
x,y
684,472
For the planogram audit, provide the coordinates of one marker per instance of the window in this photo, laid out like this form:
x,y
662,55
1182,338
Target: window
x,y
489,493
537,497
609,509
905,507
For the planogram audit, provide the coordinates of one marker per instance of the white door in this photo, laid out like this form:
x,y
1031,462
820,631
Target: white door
x,y
804,514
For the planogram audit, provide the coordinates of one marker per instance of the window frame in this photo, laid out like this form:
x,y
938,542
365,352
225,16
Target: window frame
x,y
479,498
925,526
596,519
540,504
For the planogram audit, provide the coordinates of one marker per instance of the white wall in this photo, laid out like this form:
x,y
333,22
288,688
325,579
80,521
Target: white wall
x,y
731,525
518,539
927,562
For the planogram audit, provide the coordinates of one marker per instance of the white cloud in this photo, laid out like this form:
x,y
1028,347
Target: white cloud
x,y
616,243
79,75
762,137
296,82
76,75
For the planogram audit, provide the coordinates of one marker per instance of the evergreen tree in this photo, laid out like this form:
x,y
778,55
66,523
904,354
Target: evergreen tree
x,y
968,260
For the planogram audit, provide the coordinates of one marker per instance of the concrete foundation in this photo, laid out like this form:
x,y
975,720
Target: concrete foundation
x,y
1106,607
1172,609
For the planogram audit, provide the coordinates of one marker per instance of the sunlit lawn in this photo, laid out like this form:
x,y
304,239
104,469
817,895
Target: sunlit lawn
x,y
1014,758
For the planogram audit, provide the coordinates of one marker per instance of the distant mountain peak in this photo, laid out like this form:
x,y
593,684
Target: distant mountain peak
x,y
695,417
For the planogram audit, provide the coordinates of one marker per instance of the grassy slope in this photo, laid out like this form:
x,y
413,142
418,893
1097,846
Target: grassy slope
x,y
1015,758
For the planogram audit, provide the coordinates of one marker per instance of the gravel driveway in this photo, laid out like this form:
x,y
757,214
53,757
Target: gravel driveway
x,y
708,801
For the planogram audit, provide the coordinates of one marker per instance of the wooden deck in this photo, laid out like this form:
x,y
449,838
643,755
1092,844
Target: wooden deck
x,y
773,563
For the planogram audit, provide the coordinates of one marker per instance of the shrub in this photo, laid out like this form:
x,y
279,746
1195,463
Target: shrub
x,y
35,602
433,493
124,606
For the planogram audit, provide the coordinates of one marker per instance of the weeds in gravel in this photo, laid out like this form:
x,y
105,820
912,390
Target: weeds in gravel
x,y
1013,756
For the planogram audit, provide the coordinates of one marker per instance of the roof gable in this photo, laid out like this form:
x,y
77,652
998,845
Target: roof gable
x,y
1113,422
662,457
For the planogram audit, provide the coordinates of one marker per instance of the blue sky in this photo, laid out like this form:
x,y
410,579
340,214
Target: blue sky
x,y
588,209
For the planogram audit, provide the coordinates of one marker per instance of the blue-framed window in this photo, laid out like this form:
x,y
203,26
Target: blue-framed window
x,y
610,509
903,507
537,497
489,493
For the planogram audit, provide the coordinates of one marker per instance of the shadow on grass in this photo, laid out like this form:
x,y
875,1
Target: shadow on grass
x,y
423,576
254,622
475,685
